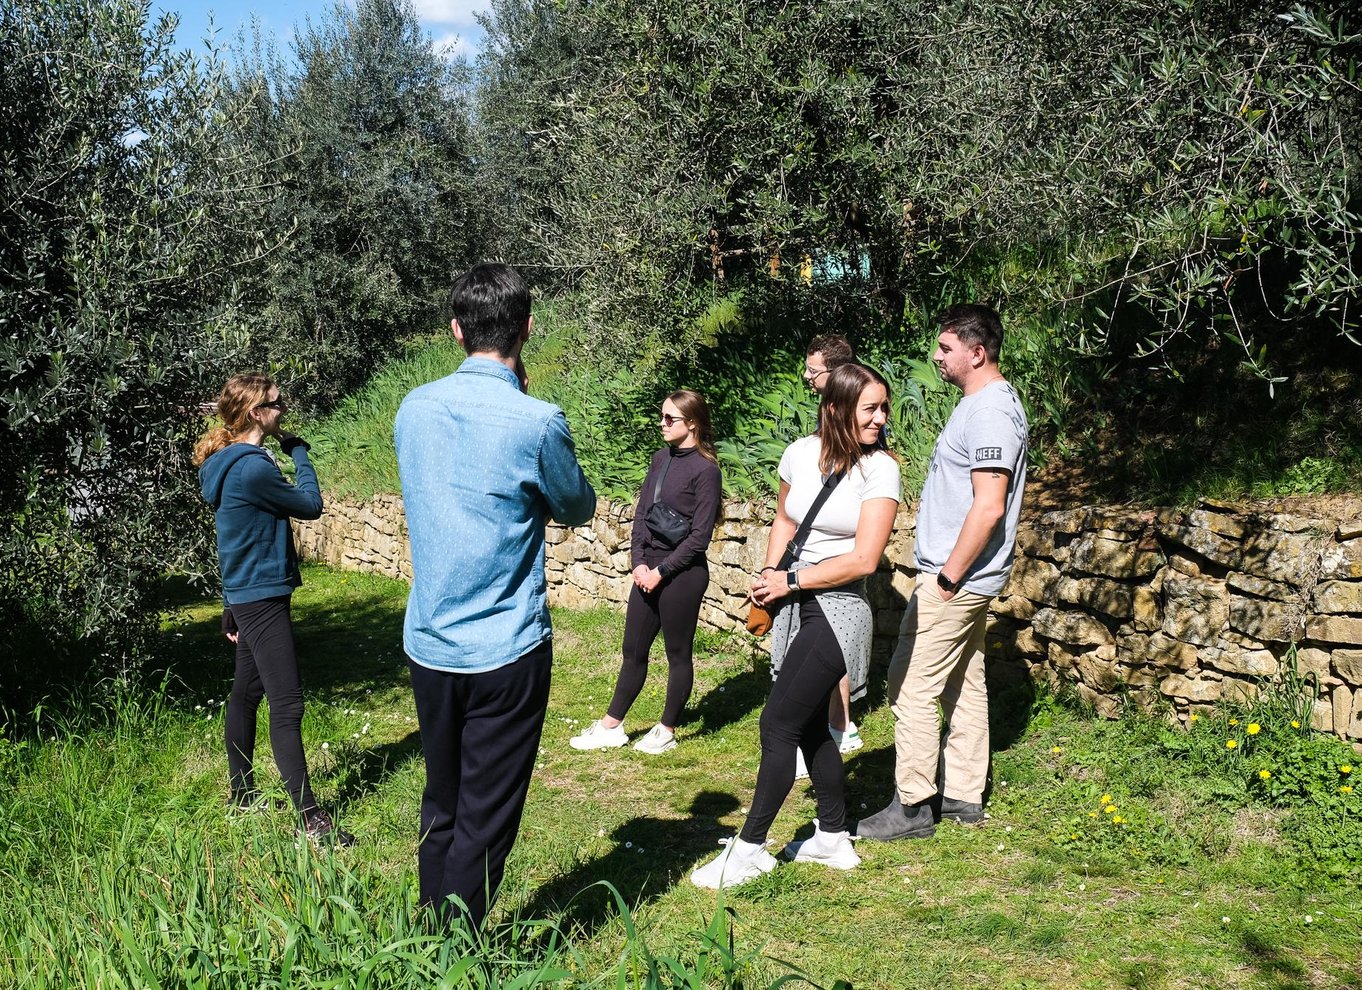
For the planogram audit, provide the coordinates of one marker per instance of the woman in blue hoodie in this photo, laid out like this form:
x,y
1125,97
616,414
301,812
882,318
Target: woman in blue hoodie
x,y
252,504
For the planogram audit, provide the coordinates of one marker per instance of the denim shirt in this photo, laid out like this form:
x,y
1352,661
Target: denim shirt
x,y
483,468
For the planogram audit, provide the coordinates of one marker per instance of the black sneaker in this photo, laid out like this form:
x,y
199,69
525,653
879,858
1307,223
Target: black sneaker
x,y
961,811
898,821
320,830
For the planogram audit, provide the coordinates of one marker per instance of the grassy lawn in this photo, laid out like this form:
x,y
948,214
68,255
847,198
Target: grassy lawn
x,y
1117,853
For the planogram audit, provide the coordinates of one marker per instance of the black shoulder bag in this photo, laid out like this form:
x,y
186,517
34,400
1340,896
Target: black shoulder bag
x,y
667,525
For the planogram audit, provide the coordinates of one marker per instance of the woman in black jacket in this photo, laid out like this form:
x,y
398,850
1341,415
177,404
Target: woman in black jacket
x,y
673,522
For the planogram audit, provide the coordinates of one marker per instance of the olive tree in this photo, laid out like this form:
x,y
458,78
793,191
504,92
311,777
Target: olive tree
x,y
129,215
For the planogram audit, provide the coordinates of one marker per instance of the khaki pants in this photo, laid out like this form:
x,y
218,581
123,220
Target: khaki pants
x,y
940,657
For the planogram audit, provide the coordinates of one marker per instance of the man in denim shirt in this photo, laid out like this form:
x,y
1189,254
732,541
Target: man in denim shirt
x,y
483,468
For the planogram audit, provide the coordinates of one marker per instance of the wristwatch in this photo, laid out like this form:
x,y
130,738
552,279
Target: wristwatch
x,y
792,580
945,583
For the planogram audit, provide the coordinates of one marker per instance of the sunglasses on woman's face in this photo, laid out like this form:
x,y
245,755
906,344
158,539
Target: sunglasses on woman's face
x,y
672,420
278,403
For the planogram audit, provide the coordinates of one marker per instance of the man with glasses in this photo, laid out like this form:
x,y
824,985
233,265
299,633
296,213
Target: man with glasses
x,y
824,353
483,467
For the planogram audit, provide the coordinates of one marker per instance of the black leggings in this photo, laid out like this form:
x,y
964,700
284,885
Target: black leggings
x,y
673,608
266,666
796,714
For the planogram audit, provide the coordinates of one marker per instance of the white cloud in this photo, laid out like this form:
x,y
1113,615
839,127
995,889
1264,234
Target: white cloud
x,y
449,11
454,45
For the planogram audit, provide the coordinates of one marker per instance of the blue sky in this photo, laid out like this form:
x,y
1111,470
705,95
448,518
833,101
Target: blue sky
x,y
450,23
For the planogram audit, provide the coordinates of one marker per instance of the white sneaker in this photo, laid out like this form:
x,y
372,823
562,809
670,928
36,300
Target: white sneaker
x,y
597,736
801,768
738,863
829,848
657,741
848,741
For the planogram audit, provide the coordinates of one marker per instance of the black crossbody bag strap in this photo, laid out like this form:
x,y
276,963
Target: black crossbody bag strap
x,y
796,545
666,466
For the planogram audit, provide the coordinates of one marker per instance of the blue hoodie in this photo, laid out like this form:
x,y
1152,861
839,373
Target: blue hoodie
x,y
252,503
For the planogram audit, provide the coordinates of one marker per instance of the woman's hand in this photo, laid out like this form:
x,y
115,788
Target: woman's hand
x,y
638,574
770,586
289,442
651,578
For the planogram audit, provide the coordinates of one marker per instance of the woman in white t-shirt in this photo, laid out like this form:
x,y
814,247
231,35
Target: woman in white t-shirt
x,y
823,622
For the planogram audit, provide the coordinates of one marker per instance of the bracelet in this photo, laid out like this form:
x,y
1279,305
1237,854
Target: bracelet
x,y
768,567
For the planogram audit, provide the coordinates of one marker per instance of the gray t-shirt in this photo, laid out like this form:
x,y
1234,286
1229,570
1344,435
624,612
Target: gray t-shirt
x,y
987,429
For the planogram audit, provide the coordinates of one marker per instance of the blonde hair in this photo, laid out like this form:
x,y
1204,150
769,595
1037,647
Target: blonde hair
x,y
238,400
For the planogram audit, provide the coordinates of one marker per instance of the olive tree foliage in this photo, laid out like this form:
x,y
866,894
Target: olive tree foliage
x,y
1165,172
368,128
127,216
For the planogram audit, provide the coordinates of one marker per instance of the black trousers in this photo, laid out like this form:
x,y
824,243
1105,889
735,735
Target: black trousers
x,y
674,609
796,714
266,667
480,736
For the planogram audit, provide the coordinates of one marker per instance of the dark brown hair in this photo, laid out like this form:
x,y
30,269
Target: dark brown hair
x,y
835,348
975,324
239,397
841,448
694,409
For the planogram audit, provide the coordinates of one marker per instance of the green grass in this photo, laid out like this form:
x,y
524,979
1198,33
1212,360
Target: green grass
x,y
121,869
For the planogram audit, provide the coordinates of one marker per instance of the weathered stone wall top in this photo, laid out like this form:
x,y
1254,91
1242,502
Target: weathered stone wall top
x,y
1125,605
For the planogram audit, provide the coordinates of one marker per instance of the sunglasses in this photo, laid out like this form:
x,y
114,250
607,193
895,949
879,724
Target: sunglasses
x,y
276,404
672,420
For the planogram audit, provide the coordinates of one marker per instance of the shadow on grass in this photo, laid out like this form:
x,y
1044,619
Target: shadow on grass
x,y
650,856
344,646
1276,967
366,770
730,701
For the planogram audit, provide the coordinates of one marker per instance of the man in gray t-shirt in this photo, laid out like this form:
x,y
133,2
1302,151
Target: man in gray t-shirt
x,y
966,534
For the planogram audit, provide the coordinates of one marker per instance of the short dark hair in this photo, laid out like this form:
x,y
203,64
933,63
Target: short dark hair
x,y
492,304
974,324
835,349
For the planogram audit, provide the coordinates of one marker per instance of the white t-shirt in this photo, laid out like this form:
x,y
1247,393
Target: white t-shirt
x,y
875,475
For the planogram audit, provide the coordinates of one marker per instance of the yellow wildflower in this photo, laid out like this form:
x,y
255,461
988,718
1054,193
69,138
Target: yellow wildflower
x,y
1234,721
1118,820
1253,728
1345,789
1109,809
1192,718
1295,724
1346,768
1092,814
1106,799
1056,749
1230,744
1265,774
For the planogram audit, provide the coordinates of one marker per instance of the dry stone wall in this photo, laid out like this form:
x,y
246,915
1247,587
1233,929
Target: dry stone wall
x,y
1149,607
